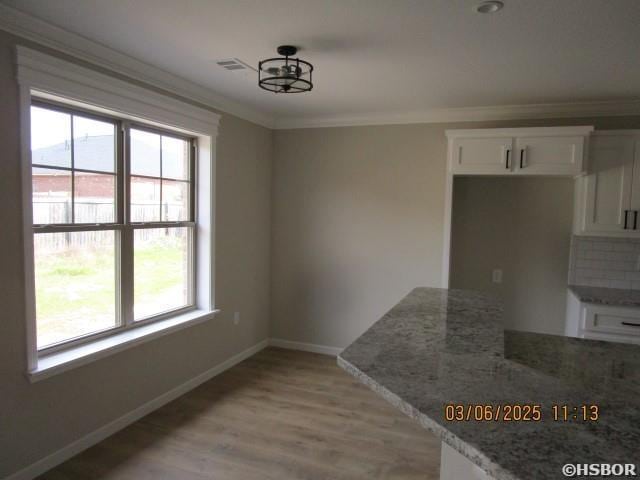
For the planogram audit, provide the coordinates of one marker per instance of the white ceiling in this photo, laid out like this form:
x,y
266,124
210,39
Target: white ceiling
x,y
383,57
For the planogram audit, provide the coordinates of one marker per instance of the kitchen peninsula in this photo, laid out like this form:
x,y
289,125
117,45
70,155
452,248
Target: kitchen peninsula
x,y
441,347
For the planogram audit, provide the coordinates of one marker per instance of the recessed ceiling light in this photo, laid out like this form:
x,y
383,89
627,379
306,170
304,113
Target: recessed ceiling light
x,y
491,6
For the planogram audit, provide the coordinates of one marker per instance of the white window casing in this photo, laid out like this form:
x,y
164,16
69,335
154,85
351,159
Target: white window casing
x,y
47,77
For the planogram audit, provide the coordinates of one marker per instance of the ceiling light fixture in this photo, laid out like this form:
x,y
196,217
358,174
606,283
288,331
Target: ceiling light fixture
x,y
491,6
285,74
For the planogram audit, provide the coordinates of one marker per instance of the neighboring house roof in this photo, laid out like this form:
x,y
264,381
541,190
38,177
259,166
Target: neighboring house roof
x,y
97,153
91,153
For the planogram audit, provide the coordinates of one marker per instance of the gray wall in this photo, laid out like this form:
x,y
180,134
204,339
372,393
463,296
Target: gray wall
x,y
522,226
37,419
357,223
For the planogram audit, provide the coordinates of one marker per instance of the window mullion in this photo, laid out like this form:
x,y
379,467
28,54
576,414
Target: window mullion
x,y
180,223
78,227
160,217
73,176
125,257
121,147
125,253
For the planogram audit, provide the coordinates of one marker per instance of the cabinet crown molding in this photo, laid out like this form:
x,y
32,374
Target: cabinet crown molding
x,y
617,133
582,130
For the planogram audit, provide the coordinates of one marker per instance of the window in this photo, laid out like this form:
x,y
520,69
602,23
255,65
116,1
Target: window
x,y
118,213
114,225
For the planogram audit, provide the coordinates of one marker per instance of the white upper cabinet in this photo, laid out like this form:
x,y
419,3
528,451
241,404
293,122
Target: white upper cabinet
x,y
558,155
518,151
483,156
608,196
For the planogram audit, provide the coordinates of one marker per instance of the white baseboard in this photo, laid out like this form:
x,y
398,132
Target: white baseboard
x,y
305,347
109,429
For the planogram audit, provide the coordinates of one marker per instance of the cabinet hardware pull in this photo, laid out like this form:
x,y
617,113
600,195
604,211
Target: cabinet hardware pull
x,y
631,324
507,162
522,158
635,219
626,216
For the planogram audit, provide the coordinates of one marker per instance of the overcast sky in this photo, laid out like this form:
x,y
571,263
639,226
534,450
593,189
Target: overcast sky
x,y
51,128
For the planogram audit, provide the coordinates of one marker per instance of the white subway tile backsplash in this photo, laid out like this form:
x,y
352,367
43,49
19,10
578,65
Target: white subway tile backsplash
x,y
580,263
623,256
615,275
605,262
626,266
623,247
584,248
624,284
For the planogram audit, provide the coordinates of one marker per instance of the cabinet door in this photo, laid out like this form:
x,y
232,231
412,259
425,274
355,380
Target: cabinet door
x,y
482,156
552,155
608,184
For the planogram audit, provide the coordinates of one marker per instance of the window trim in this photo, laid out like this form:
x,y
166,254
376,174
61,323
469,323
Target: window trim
x,y
52,79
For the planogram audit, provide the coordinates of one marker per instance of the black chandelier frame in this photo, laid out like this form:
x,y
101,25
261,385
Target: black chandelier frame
x,y
275,83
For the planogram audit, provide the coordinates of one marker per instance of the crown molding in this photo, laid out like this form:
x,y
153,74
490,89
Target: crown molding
x,y
51,36
471,114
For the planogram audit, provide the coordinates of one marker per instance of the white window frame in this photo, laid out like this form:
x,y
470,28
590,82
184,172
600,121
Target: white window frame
x,y
47,77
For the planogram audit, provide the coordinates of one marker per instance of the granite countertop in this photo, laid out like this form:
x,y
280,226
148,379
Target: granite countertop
x,y
607,296
439,347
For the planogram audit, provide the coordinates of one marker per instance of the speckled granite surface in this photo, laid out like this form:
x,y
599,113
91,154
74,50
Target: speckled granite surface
x,y
448,346
607,296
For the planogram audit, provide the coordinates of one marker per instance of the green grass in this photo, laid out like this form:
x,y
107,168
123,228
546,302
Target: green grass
x,y
71,271
75,290
159,277
158,269
83,281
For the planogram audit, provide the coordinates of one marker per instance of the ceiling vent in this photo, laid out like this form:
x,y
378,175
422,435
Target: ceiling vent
x,y
235,65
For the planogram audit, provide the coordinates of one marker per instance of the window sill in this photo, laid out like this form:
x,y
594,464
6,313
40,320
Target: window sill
x,y
61,361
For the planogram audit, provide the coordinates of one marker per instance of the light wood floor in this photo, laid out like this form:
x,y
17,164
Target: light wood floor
x,y
279,415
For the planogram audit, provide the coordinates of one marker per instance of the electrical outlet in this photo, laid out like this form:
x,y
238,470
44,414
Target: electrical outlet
x,y
638,263
236,318
496,276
